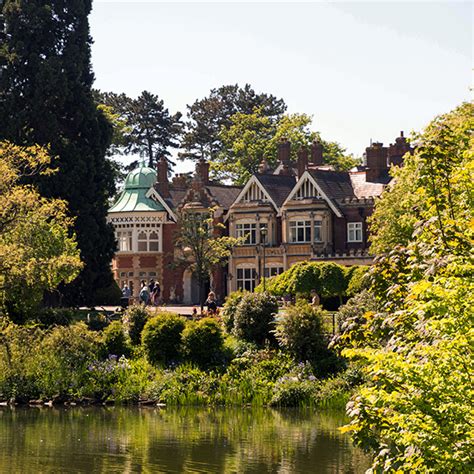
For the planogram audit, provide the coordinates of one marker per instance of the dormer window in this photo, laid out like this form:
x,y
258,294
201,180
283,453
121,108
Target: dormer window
x,y
354,232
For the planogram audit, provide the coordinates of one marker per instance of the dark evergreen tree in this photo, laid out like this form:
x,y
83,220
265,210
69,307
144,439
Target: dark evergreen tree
x,y
148,127
46,98
208,116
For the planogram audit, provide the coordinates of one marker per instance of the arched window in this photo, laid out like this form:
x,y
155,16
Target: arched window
x,y
142,242
153,242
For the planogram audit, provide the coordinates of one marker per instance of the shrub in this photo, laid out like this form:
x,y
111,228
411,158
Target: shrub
x,y
357,278
162,336
47,317
96,321
109,295
65,353
291,392
254,317
352,318
229,309
327,278
134,320
203,341
300,332
115,340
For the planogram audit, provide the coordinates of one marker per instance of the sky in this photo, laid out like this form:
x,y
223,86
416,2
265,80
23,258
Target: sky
x,y
363,70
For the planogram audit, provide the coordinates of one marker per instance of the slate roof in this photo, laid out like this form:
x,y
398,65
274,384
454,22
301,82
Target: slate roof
x,y
363,188
278,186
224,195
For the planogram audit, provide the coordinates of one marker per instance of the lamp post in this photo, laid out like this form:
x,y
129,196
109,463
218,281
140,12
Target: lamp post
x,y
263,237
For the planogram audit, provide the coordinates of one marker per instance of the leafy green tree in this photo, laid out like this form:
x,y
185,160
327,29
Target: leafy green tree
x,y
37,252
46,99
415,414
206,118
251,136
199,246
143,125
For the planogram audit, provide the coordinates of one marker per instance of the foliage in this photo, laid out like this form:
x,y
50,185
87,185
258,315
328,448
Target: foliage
x,y
46,99
415,414
251,136
353,316
37,252
108,295
96,321
206,118
202,342
198,252
134,319
115,340
229,309
328,279
254,317
300,332
162,337
47,317
144,125
357,277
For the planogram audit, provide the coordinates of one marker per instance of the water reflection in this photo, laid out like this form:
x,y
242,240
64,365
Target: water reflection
x,y
191,440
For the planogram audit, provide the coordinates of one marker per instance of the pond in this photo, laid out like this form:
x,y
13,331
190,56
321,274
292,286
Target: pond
x,y
175,440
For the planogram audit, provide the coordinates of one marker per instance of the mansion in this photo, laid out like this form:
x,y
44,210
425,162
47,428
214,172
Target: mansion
x,y
297,211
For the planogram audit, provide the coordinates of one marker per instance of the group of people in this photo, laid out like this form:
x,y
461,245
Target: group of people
x,y
149,293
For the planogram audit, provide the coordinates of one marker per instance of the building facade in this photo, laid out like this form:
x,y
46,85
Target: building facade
x,y
298,211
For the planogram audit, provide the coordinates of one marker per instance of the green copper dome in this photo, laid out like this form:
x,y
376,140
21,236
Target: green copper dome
x,y
141,177
133,197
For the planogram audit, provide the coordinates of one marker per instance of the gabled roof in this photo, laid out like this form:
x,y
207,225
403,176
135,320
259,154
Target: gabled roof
x,y
277,186
254,180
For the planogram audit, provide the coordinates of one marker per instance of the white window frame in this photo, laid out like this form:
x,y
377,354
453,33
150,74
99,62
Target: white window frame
x,y
355,232
246,275
296,225
124,239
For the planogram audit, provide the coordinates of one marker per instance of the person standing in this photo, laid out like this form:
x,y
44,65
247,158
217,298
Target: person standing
x,y
211,303
155,295
144,295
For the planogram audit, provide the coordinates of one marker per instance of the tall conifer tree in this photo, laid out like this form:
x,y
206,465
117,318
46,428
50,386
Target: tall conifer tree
x,y
46,98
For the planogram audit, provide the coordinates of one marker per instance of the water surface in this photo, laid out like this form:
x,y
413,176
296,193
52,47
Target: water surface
x,y
175,440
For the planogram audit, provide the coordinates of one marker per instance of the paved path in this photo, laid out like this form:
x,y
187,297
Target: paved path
x,y
183,310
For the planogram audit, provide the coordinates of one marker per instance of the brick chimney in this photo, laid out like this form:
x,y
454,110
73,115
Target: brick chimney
x,y
202,171
398,149
162,182
376,161
317,153
302,163
284,149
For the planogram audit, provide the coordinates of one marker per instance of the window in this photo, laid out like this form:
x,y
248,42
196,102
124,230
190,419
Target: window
x,y
300,231
249,231
142,242
318,236
148,241
354,232
153,242
272,271
124,239
246,279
